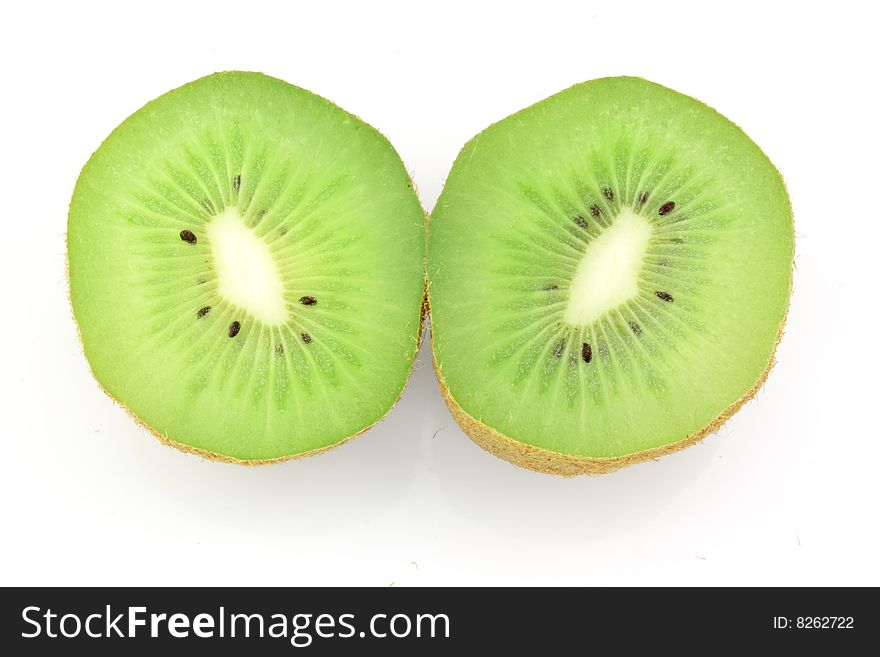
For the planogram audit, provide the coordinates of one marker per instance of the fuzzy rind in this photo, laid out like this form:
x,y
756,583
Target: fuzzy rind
x,y
570,465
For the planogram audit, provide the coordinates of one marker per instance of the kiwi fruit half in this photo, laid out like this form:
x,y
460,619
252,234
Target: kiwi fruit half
x,y
246,265
609,273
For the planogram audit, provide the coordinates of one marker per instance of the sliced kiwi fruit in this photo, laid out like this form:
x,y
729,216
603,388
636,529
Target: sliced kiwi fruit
x,y
246,265
609,273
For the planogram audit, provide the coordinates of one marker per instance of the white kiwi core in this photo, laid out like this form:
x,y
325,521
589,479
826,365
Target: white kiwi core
x,y
247,274
608,273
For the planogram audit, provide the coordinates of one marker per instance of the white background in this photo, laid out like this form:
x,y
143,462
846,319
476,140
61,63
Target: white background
x,y
786,493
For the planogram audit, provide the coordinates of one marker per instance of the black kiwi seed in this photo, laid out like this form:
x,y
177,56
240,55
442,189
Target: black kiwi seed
x,y
308,301
580,221
557,350
236,182
306,337
203,311
664,295
608,193
586,352
551,286
596,211
643,198
234,328
677,240
634,326
666,208
188,236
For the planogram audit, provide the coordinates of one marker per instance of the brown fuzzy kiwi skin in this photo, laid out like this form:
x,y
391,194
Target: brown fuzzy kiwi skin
x,y
223,458
547,461
570,465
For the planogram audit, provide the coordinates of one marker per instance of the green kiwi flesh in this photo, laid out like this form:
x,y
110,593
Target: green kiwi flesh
x,y
246,265
609,271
